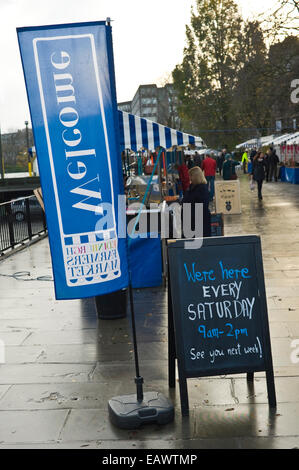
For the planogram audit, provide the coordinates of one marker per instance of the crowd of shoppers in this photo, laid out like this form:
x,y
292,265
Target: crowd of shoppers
x,y
264,167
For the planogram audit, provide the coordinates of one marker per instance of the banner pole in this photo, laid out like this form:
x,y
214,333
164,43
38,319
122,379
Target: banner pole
x,y
1,157
130,411
138,378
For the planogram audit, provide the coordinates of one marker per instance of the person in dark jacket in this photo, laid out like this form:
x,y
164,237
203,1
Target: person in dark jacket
x,y
229,168
198,193
220,161
267,166
197,160
273,161
252,154
190,162
259,169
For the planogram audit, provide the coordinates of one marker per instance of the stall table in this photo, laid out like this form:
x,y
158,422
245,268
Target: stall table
x,y
289,174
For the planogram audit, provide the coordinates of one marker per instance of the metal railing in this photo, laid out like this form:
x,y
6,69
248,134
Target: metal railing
x,y
21,220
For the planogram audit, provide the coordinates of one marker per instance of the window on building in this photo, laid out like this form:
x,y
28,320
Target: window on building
x,y
149,110
146,101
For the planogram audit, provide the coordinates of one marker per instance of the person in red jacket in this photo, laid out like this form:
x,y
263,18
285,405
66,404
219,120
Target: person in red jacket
x,y
183,175
209,168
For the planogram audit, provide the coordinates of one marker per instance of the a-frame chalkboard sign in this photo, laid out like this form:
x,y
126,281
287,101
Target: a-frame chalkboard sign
x,y
218,320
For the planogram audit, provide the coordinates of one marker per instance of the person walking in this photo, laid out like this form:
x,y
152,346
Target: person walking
x,y
198,193
245,161
259,171
209,168
229,168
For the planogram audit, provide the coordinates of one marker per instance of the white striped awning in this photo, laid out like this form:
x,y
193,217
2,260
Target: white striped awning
x,y
288,139
137,133
293,139
257,142
279,140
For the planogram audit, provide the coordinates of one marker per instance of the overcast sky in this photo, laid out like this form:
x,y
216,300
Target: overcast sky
x,y
148,39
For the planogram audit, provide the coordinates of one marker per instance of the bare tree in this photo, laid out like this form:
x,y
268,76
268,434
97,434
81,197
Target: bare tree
x,y
282,20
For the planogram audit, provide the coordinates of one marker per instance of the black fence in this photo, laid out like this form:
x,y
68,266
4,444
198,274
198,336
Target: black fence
x,y
21,220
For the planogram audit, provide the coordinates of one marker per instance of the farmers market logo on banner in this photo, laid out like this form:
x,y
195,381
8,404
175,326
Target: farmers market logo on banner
x,y
69,76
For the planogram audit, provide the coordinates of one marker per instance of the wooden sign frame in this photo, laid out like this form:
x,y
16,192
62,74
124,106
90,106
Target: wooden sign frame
x,y
175,323
228,197
39,196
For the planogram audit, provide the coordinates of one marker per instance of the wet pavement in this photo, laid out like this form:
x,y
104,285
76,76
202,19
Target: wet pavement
x,y
62,364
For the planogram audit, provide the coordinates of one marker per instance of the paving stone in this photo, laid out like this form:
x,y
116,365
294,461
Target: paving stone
x,y
286,302
62,322
279,330
68,353
87,336
292,274
31,426
22,354
3,390
14,338
150,369
44,373
285,315
245,420
59,396
294,330
256,392
272,442
132,444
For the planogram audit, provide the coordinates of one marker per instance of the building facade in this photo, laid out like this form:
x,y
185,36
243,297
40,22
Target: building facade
x,y
125,106
158,104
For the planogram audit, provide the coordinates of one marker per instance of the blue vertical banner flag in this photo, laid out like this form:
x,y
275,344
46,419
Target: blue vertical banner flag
x,y
69,76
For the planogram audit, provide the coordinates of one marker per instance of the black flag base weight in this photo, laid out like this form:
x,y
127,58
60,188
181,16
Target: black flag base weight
x,y
126,412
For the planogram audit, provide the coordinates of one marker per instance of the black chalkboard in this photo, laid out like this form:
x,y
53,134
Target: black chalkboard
x,y
218,318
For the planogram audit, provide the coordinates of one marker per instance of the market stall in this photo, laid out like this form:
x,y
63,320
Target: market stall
x,y
140,138
160,145
289,156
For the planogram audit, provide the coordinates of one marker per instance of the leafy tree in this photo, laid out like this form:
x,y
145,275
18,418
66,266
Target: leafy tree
x,y
232,78
205,78
284,68
249,101
13,144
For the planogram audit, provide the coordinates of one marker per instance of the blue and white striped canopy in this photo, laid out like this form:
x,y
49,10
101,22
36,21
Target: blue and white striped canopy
x,y
138,133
